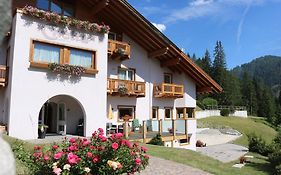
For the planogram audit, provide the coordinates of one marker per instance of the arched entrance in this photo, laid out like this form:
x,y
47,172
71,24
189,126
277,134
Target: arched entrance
x,y
63,115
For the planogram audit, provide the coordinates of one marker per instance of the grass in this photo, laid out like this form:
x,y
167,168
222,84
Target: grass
x,y
244,125
258,166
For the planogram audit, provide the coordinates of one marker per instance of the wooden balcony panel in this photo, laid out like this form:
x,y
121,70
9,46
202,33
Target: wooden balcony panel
x,y
3,75
132,88
118,50
166,90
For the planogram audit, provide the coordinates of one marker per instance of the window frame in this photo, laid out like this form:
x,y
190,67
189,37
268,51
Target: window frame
x,y
171,77
157,112
184,113
171,112
127,70
62,5
64,55
124,107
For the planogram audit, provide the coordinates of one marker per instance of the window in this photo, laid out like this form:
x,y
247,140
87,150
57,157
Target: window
x,y
168,113
112,36
41,54
155,113
126,110
62,7
126,74
181,113
168,78
190,112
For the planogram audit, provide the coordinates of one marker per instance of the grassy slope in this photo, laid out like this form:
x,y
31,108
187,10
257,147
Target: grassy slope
x,y
245,126
258,166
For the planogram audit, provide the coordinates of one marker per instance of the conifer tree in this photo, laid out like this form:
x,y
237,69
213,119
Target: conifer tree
x,y
206,63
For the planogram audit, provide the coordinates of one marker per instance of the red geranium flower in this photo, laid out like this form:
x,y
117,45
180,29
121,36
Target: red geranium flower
x,y
115,146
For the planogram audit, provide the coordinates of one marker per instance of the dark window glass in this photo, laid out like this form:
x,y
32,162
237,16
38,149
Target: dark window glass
x,y
56,7
43,4
168,78
126,111
68,10
168,113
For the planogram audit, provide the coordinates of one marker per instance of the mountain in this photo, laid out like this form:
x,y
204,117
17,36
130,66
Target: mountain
x,y
266,69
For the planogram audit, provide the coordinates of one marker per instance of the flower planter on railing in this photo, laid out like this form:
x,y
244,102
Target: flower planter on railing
x,y
64,20
125,87
67,69
118,50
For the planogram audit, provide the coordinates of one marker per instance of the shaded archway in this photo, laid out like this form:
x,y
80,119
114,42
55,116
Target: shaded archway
x,y
63,115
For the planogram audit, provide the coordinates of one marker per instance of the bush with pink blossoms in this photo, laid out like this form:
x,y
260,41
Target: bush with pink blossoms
x,y
99,155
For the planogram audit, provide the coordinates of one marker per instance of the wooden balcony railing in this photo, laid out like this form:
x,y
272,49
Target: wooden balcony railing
x,y
168,90
3,75
118,50
125,87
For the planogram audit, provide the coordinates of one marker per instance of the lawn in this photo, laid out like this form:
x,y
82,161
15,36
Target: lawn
x,y
258,166
244,125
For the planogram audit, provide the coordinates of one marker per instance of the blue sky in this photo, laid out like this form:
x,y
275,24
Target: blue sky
x,y
247,28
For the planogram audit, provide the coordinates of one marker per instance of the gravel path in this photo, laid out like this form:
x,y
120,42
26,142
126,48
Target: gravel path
x,y
159,166
224,152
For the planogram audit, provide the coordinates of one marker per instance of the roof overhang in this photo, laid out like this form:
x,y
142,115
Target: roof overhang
x,y
121,15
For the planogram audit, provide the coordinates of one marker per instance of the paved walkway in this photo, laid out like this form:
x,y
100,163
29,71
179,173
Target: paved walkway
x,y
159,166
224,152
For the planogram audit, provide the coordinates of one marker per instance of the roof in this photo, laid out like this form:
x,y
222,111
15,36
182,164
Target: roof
x,y
121,15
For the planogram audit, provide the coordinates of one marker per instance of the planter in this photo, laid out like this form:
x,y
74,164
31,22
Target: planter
x,y
42,134
2,129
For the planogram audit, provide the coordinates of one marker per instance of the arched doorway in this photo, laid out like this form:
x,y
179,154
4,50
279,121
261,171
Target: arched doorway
x,y
63,115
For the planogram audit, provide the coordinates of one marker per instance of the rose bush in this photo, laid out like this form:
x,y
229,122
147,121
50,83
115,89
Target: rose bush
x,y
99,155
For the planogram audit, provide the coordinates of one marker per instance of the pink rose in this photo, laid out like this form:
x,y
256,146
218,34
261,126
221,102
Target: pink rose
x,y
118,135
72,148
86,143
57,171
46,158
95,159
100,130
58,155
73,159
55,147
115,146
72,140
89,154
144,149
138,161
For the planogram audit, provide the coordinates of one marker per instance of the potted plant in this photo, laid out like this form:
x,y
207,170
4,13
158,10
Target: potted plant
x,y
42,130
120,51
122,90
136,125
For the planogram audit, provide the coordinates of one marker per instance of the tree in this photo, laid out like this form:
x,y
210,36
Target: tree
x,y
279,98
206,63
219,65
249,95
5,13
194,57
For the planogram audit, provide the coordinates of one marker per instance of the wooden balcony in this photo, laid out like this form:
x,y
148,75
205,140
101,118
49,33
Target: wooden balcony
x,y
165,90
125,87
3,75
118,50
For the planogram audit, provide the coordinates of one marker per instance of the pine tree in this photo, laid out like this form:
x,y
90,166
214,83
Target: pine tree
x,y
279,98
206,63
194,58
249,96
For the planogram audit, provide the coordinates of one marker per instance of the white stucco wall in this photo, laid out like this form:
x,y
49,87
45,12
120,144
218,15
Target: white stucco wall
x,y
31,87
206,113
149,70
243,114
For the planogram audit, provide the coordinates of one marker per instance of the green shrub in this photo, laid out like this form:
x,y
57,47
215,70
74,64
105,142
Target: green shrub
x,y
258,145
275,158
225,112
209,102
156,140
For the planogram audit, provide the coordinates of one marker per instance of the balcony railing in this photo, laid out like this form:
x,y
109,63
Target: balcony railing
x,y
168,90
3,75
125,87
118,50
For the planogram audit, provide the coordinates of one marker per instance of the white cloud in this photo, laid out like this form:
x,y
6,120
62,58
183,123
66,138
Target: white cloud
x,y
241,23
201,8
160,27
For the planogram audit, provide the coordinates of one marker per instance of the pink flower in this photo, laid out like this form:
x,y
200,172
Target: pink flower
x,y
115,146
118,135
102,138
95,159
100,130
138,161
55,147
72,158
119,166
46,158
89,154
86,143
72,148
57,171
144,149
37,155
58,155
146,156
37,148
72,140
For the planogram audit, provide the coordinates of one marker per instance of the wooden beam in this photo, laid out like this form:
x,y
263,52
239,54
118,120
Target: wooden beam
x,y
158,53
170,62
204,90
99,6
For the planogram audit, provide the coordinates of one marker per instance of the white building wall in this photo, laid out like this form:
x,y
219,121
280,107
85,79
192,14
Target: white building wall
x,y
149,70
32,87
